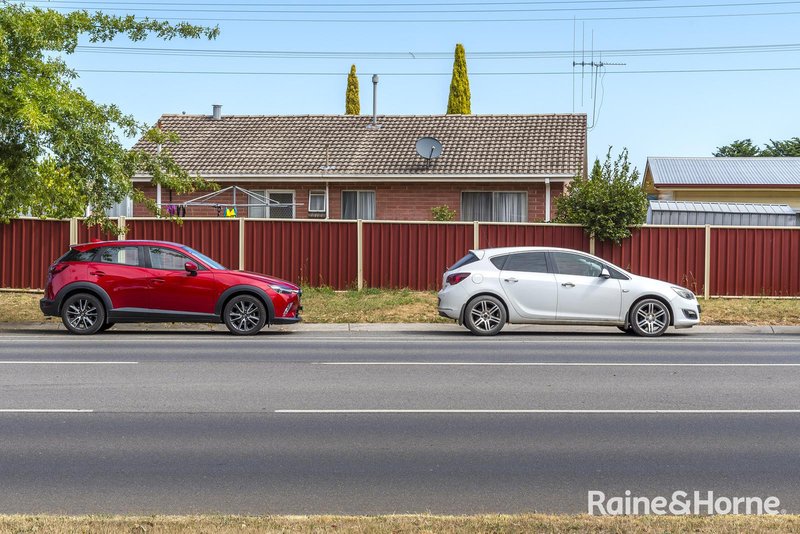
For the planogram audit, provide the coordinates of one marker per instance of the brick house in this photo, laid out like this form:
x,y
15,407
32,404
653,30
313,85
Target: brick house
x,y
492,167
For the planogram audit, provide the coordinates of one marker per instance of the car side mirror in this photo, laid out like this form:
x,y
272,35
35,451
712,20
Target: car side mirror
x,y
191,268
605,274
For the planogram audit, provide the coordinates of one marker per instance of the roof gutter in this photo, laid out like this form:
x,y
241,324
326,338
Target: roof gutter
x,y
431,178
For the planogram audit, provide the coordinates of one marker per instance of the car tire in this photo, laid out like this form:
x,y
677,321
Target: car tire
x,y
649,318
83,314
485,316
106,326
245,315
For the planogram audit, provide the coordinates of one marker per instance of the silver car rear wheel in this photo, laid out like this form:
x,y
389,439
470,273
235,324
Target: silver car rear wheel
x,y
649,318
485,316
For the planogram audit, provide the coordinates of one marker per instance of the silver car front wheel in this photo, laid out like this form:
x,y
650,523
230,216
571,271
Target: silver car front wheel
x,y
485,316
649,318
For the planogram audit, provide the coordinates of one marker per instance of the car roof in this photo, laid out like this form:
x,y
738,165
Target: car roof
x,y
507,250
126,242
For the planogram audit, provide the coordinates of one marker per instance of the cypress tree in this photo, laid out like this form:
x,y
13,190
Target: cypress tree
x,y
459,101
352,104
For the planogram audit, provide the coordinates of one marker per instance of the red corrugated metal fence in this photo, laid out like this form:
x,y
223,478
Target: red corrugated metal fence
x,y
216,238
755,261
743,261
412,255
312,252
27,248
672,254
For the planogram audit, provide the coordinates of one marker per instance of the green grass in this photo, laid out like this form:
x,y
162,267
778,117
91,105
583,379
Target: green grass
x,y
400,524
324,305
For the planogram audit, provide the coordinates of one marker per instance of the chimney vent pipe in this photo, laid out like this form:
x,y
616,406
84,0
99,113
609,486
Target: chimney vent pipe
x,y
217,113
374,123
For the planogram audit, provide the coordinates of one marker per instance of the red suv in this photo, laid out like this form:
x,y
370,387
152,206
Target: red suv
x,y
96,285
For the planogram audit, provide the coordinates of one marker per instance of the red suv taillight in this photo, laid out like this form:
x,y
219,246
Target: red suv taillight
x,y
455,278
57,268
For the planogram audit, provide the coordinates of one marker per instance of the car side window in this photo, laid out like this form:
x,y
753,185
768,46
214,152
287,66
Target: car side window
x,y
119,255
577,265
527,262
499,261
80,255
168,259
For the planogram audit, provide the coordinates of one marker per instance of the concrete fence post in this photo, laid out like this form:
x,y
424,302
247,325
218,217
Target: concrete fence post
x,y
707,265
123,228
73,231
591,245
242,255
476,234
360,253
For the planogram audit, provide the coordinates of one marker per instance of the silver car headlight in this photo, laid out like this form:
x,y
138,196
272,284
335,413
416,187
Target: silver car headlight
x,y
684,293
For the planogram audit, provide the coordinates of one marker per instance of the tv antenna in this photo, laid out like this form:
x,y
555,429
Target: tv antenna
x,y
596,70
429,148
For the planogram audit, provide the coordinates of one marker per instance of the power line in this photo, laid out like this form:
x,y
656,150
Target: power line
x,y
351,4
481,21
493,55
340,74
381,11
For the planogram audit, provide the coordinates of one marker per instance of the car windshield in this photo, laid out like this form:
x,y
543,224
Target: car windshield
x,y
205,259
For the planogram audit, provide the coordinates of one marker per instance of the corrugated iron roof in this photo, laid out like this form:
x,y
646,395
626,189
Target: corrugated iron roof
x,y
491,145
721,207
754,171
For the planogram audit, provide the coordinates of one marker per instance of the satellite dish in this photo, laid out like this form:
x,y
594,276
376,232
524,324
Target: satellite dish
x,y
429,147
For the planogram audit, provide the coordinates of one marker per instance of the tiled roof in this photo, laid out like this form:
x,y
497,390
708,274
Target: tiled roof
x,y
716,172
302,144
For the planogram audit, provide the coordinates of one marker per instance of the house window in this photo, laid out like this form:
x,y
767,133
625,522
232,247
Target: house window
x,y
316,202
280,205
123,208
358,205
494,206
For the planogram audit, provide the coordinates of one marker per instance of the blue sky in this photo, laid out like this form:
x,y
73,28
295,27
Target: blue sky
x,y
664,114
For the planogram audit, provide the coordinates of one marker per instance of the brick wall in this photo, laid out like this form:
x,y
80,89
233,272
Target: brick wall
x,y
406,201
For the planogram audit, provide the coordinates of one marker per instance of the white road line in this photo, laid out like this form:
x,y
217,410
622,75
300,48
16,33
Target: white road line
x,y
562,364
590,412
42,410
36,362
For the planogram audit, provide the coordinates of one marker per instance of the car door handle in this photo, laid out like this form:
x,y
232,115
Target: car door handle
x,y
568,284
157,281
512,280
97,273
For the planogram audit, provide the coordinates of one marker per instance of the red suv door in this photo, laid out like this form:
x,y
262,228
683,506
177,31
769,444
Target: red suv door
x,y
172,288
120,271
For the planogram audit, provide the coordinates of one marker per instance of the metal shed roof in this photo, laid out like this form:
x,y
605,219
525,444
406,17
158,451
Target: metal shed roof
x,y
720,213
777,172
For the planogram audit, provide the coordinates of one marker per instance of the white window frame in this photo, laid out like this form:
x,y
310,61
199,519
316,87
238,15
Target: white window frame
x,y
324,200
524,204
360,191
266,193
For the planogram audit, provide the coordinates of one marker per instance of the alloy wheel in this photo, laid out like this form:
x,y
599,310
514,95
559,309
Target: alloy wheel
x,y
651,318
245,315
82,314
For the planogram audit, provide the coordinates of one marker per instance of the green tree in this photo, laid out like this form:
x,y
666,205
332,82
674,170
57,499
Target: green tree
x,y
443,213
459,101
788,148
60,151
739,148
607,203
352,103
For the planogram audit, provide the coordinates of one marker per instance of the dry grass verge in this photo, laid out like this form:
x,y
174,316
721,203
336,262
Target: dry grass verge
x,y
399,524
405,306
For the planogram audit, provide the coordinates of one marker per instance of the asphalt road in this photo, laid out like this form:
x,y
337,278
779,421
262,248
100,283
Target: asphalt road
x,y
380,422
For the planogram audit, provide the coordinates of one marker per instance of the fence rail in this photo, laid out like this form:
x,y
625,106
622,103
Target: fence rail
x,y
711,260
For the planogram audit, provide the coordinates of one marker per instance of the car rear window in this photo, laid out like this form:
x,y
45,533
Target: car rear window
x,y
466,260
79,255
527,262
